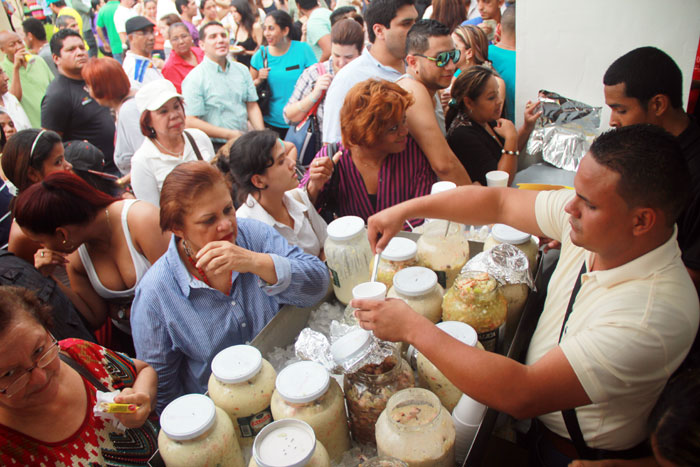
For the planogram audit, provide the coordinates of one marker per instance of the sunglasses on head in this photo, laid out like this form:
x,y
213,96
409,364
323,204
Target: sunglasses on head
x,y
443,58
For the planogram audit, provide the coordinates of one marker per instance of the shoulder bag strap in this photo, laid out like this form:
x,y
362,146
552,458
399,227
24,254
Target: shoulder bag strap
x,y
314,108
194,146
264,56
83,372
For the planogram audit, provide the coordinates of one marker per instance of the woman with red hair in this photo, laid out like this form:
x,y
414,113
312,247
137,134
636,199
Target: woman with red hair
x,y
378,164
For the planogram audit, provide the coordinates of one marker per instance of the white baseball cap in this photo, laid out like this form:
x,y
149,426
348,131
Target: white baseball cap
x,y
153,95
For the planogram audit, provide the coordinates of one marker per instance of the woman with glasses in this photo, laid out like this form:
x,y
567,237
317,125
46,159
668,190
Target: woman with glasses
x,y
184,56
48,391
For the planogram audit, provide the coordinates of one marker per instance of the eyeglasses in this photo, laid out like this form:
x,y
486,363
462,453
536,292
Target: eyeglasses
x,y
443,58
20,382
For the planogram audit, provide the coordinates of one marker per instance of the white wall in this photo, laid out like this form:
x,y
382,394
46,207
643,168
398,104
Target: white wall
x,y
565,46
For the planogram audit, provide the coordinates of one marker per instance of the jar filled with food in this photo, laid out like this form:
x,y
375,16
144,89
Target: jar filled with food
x,y
400,253
476,299
196,432
429,377
241,384
383,461
418,286
444,248
417,429
528,244
288,443
348,255
305,391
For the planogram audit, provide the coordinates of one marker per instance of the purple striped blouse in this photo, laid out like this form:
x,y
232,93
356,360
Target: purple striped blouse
x,y
402,176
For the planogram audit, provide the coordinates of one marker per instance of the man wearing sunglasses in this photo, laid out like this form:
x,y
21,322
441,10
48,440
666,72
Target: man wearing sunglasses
x,y
431,62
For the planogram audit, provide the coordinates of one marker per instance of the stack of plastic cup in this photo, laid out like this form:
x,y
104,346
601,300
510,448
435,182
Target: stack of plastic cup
x,y
466,416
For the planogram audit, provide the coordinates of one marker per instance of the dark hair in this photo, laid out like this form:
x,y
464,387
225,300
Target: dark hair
x,y
180,4
348,32
182,185
508,20
58,3
172,18
16,300
16,154
451,13
418,36
471,84
34,26
145,124
250,155
179,24
203,3
282,19
3,138
57,39
208,24
646,72
307,4
382,12
675,420
247,15
60,199
341,12
653,172
106,78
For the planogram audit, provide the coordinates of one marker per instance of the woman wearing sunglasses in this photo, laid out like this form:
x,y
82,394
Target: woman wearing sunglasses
x,y
47,394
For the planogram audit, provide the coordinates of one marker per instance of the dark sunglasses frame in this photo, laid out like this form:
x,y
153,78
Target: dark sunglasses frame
x,y
443,58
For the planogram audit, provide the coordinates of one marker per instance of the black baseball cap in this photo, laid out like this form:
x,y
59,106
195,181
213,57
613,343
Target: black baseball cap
x,y
138,23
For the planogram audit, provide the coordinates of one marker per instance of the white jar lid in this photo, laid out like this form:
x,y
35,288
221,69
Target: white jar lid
x,y
400,249
351,346
507,234
284,443
236,364
302,382
439,187
460,331
415,281
188,416
344,228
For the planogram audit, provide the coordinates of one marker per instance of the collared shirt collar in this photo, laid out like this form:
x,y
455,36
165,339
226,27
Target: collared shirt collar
x,y
211,63
368,56
295,208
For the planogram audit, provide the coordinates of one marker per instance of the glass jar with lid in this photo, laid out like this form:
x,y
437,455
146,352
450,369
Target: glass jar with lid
x,y
348,255
476,299
400,253
193,431
417,429
419,288
429,377
528,244
241,384
288,443
444,248
305,391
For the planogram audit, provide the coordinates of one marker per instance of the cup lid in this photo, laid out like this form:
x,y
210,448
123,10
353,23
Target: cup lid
x,y
400,249
351,346
302,382
188,416
507,234
236,364
415,281
369,290
439,187
460,331
346,227
284,443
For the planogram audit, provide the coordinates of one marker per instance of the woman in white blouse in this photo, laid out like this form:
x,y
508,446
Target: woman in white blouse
x,y
263,169
167,143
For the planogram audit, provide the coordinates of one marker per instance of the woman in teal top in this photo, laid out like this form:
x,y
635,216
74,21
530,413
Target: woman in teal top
x,y
286,60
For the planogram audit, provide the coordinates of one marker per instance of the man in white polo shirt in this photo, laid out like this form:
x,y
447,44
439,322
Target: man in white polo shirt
x,y
605,350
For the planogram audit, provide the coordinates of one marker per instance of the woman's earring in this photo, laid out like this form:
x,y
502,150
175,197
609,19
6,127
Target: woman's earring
x,y
153,132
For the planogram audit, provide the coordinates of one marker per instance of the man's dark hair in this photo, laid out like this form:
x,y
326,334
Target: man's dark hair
x,y
57,39
653,171
382,12
647,72
341,12
180,4
418,36
34,26
203,29
307,4
59,3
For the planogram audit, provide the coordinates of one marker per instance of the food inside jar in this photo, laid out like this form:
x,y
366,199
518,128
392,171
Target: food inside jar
x,y
476,300
414,414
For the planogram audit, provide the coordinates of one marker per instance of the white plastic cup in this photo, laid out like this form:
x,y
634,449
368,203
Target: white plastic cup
x,y
497,178
469,411
369,291
464,437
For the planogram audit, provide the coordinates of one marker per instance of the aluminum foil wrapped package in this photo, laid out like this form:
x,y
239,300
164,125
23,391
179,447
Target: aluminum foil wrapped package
x,y
565,131
313,345
505,263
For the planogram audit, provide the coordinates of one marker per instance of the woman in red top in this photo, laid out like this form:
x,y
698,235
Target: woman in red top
x,y
184,56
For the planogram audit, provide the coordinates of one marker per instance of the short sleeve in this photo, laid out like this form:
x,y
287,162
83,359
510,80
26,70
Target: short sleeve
x,y
320,27
309,56
192,93
550,214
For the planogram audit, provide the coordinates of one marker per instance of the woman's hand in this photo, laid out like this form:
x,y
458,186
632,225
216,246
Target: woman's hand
x,y
505,129
46,260
222,257
263,73
533,111
139,399
320,172
322,83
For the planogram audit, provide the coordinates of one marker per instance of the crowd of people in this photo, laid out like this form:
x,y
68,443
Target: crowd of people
x,y
157,206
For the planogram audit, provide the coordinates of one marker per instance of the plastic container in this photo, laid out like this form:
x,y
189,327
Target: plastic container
x,y
444,249
501,233
348,255
418,286
400,253
305,391
475,299
241,384
417,429
466,417
194,432
288,443
429,377
368,291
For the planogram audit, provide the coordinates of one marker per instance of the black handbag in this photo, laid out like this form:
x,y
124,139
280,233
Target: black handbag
x,y
263,89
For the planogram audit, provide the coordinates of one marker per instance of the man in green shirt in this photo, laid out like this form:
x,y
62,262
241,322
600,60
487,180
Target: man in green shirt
x,y
105,19
29,75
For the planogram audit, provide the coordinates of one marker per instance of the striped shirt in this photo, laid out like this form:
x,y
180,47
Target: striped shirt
x,y
179,323
402,176
140,70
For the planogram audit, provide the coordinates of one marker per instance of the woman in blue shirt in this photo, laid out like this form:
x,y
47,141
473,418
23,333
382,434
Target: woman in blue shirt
x,y
286,60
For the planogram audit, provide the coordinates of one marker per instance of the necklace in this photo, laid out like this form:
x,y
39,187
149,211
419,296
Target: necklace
x,y
200,271
176,154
